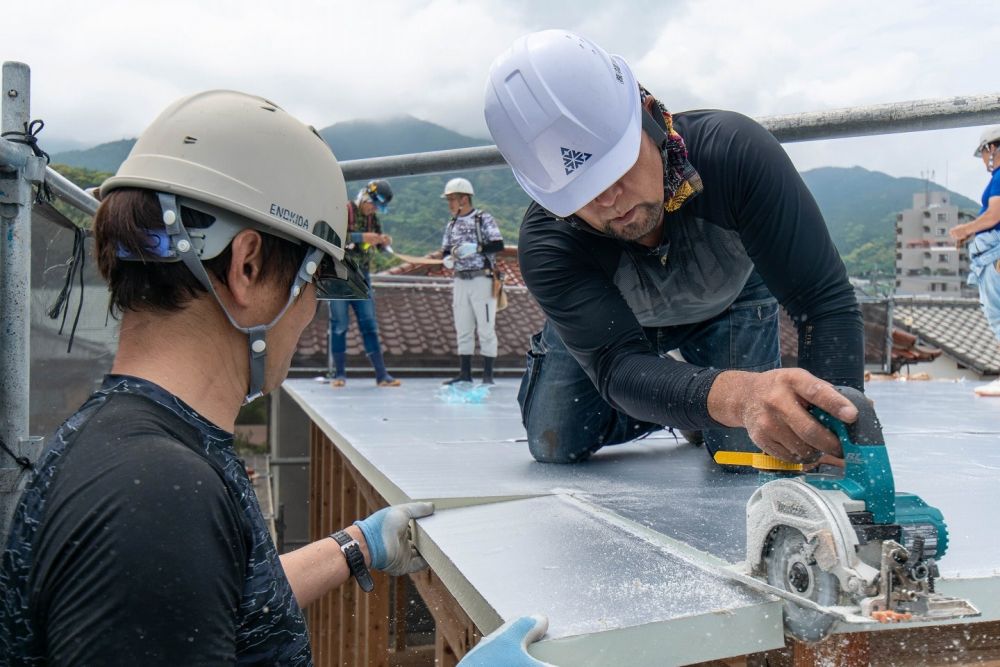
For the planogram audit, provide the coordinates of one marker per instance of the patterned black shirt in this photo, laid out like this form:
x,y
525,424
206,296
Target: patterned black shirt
x,y
139,541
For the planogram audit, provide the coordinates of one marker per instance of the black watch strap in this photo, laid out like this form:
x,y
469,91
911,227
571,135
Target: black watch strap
x,y
355,560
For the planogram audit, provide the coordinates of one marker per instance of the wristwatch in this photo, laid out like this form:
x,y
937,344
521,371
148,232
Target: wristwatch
x,y
355,559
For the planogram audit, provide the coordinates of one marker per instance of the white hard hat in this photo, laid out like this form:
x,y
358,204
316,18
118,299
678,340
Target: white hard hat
x,y
248,164
243,154
458,186
565,115
990,135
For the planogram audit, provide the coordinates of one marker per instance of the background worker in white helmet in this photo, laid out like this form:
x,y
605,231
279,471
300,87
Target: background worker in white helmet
x,y
365,238
652,232
138,540
983,236
469,246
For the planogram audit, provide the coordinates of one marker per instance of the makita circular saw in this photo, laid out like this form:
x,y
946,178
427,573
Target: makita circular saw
x,y
835,547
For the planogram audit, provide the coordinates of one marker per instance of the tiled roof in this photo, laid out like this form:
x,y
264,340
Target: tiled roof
x,y
957,326
417,328
906,350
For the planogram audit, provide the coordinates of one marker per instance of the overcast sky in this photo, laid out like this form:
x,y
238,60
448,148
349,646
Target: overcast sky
x,y
102,71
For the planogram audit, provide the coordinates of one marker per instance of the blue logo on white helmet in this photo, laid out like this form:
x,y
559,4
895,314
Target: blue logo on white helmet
x,y
573,160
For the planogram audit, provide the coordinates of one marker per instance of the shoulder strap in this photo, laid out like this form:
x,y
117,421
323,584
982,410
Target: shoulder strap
x,y
479,227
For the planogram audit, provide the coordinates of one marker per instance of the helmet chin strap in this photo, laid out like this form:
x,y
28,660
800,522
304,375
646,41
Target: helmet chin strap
x,y
180,242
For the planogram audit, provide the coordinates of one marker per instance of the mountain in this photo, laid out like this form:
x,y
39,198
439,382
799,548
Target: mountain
x,y
859,205
357,139
103,157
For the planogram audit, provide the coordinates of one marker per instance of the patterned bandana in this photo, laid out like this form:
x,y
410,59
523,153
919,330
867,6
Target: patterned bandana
x,y
680,179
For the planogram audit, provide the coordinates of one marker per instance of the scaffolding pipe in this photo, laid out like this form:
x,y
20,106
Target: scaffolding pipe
x,y
15,282
913,116
70,193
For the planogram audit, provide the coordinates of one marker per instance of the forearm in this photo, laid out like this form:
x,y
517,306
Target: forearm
x,y
987,220
320,567
832,347
660,391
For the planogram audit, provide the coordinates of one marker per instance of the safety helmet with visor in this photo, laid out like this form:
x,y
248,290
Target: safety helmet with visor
x,y
378,192
566,116
247,164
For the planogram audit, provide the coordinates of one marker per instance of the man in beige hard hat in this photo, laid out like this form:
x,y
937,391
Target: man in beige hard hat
x,y
471,241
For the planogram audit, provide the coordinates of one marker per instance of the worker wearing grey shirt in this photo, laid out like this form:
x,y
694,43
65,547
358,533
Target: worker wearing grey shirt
x,y
471,241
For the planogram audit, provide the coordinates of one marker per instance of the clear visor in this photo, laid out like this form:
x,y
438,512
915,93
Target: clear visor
x,y
339,280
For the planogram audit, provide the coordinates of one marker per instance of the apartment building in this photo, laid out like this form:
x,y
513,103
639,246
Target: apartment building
x,y
927,261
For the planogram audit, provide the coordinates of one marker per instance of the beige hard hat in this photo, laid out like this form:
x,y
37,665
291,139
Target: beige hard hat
x,y
246,155
458,186
990,135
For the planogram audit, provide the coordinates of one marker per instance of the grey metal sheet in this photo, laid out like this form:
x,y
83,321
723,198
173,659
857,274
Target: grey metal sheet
x,y
412,445
592,577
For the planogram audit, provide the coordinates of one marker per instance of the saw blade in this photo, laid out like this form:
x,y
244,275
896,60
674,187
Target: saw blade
x,y
791,568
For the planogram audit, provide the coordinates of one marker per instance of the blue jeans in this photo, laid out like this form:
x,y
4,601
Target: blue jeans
x,y
566,418
340,319
984,264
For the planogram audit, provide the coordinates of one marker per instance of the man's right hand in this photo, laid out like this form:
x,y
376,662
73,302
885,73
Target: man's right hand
x,y
773,407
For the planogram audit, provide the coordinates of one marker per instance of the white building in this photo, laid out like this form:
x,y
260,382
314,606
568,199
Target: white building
x,y
927,261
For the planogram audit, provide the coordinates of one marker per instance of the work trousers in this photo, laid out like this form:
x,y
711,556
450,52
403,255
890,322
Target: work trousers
x,y
566,418
475,310
340,320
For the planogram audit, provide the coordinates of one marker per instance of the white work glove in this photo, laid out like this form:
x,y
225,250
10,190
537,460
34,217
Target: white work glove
x,y
508,645
463,250
449,262
387,533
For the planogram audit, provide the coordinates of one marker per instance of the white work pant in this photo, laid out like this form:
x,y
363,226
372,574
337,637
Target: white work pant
x,y
475,309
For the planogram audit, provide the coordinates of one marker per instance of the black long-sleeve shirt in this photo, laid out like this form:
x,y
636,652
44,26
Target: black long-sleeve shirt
x,y
755,213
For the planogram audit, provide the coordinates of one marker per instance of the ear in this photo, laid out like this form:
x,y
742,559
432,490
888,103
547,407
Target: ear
x,y
245,267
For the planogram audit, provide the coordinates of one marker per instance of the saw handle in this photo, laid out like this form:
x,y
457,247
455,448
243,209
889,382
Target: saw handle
x,y
866,429
867,473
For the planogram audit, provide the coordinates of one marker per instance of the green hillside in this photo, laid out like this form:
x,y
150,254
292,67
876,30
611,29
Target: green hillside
x,y
357,139
103,157
859,205
860,208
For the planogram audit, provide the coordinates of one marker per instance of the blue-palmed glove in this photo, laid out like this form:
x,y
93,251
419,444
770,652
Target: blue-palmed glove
x,y
463,250
387,533
508,645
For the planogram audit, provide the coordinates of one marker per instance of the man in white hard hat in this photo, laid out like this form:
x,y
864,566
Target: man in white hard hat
x,y
138,540
983,236
469,246
651,232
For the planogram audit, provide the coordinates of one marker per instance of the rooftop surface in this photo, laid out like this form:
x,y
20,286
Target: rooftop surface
x,y
624,551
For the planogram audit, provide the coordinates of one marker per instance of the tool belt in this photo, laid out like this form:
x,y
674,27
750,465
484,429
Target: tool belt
x,y
469,275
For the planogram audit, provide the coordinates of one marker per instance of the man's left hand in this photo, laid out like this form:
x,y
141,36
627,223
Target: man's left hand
x,y
387,533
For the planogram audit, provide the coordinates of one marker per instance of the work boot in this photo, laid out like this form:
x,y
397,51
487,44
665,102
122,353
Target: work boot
x,y
382,377
488,369
465,374
339,378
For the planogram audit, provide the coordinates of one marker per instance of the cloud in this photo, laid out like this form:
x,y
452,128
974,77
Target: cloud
x,y
102,72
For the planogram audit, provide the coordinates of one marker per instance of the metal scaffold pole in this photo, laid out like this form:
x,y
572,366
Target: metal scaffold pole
x,y
17,163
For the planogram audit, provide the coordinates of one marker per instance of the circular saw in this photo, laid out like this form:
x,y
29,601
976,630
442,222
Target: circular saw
x,y
845,545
